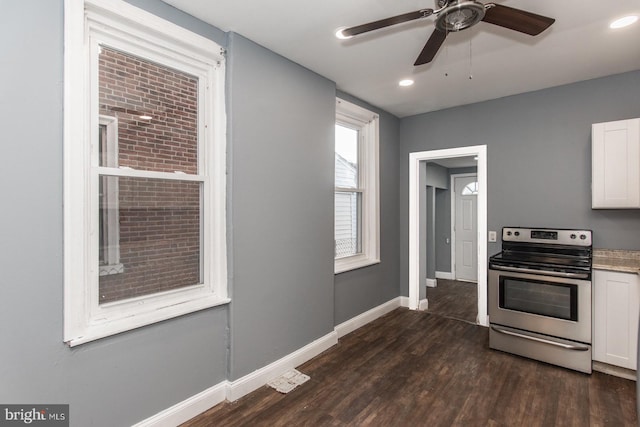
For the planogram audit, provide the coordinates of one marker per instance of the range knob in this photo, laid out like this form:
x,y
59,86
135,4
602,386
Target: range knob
x,y
508,233
573,236
517,233
583,236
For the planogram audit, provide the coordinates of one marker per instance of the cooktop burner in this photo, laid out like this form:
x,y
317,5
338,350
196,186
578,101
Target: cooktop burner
x,y
545,250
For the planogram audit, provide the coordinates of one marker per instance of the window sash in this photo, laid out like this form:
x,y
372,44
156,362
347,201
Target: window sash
x,y
121,25
354,238
109,258
366,122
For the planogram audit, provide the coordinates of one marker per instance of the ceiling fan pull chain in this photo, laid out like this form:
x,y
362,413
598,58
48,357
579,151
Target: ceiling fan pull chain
x,y
470,58
446,59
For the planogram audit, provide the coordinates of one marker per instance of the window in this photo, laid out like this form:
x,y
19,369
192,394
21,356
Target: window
x,y
356,230
470,189
145,236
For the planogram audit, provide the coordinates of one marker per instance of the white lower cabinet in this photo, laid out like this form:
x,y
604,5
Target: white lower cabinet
x,y
616,299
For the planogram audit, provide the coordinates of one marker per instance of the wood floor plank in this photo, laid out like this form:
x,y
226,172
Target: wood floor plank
x,y
455,299
411,368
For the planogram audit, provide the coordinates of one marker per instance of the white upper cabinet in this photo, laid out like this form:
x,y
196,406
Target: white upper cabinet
x,y
616,164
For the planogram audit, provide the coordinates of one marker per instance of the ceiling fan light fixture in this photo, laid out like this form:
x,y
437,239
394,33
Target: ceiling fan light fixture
x,y
339,34
459,16
625,21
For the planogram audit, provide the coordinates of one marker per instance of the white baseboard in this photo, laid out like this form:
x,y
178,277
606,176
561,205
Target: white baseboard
x,y
445,275
404,301
262,376
432,283
187,409
368,316
233,390
615,370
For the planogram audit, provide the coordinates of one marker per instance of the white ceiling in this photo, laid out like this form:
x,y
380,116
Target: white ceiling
x,y
578,46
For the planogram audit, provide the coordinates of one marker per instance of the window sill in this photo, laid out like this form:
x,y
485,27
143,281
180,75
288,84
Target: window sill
x,y
101,330
343,265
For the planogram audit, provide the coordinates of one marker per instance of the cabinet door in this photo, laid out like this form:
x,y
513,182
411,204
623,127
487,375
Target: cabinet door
x,y
616,299
616,164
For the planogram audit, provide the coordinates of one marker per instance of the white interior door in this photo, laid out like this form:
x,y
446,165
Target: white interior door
x,y
466,233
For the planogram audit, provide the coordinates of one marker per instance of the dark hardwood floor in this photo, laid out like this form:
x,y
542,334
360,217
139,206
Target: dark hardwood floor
x,y
454,299
411,368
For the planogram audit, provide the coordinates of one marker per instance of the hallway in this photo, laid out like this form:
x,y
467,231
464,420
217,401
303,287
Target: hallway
x,y
454,299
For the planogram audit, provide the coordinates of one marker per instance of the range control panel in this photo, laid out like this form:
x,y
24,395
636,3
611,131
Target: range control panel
x,y
547,235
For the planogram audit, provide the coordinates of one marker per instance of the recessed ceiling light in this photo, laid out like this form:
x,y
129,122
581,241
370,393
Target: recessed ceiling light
x,y
340,35
624,21
405,82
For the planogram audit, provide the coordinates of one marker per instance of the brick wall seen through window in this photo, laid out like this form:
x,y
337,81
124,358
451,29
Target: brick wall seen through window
x,y
159,220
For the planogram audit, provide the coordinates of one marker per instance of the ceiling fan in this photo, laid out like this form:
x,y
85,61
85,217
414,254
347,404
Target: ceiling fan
x,y
457,15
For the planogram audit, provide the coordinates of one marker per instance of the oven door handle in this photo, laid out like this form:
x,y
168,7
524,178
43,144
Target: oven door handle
x,y
545,272
541,340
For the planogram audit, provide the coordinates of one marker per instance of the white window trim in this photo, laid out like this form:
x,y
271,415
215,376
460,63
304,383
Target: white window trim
x,y
145,34
367,123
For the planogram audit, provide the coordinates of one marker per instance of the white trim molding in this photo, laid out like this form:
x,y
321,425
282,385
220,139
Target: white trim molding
x,y
359,321
367,124
445,275
262,376
234,390
415,211
188,408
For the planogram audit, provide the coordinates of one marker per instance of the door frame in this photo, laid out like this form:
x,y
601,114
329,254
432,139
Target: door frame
x,y
453,219
416,210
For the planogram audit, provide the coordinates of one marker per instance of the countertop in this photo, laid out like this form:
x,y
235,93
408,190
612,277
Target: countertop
x,y
616,260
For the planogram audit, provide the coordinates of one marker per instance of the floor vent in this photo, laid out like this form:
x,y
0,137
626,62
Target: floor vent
x,y
288,381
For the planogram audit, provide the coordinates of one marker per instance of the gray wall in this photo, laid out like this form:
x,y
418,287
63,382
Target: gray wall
x,y
443,230
114,381
280,225
360,290
539,157
437,176
437,179
282,120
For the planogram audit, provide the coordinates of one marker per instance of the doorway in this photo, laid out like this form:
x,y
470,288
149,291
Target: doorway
x,y
418,229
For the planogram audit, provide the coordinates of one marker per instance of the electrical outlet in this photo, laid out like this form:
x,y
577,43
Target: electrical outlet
x,y
493,236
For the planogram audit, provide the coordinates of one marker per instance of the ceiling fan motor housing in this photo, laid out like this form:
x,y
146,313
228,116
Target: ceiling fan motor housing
x,y
459,15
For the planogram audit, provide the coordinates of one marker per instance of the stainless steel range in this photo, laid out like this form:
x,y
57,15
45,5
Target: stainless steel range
x,y
540,296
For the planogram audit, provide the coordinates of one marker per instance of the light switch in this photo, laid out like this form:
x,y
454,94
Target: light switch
x,y
493,237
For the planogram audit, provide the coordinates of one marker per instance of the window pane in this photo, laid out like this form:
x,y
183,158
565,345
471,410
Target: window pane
x,y
347,224
346,157
470,189
159,239
157,112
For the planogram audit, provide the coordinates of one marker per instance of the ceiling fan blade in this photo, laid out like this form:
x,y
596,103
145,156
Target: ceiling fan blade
x,y
375,25
516,19
431,47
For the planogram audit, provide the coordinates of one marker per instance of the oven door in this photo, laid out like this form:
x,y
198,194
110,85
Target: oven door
x,y
556,306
